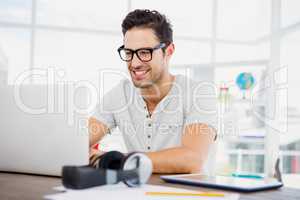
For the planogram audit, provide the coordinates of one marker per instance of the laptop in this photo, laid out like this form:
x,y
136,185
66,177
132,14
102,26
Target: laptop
x,y
42,128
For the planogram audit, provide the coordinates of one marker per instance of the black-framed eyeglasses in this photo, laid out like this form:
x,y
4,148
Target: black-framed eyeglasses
x,y
144,54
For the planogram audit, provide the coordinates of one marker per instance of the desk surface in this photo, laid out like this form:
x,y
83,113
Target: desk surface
x,y
20,186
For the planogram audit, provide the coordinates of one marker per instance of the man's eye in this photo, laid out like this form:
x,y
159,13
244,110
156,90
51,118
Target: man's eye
x,y
128,53
144,52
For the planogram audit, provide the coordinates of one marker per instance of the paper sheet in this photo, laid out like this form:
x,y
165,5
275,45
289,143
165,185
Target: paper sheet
x,y
122,192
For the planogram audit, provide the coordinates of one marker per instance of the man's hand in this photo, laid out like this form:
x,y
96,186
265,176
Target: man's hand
x,y
94,156
97,131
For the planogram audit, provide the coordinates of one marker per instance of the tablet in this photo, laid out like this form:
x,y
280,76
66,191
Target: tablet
x,y
225,182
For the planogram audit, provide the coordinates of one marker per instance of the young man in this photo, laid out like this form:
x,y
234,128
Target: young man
x,y
158,113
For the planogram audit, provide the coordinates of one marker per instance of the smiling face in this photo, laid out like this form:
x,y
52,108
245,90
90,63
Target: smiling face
x,y
145,74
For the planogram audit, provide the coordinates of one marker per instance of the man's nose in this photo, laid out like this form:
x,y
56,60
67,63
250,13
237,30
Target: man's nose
x,y
135,62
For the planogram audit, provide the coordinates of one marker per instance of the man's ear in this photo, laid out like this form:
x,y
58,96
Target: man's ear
x,y
170,50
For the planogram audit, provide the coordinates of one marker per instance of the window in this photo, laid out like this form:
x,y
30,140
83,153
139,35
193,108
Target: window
x,y
89,14
242,52
290,12
194,19
290,141
81,55
15,11
190,52
243,20
15,47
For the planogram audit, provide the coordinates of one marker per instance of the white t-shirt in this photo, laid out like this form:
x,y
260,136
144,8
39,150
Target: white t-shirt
x,y
187,102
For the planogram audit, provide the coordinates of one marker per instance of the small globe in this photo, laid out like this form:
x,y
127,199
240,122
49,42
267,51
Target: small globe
x,y
245,81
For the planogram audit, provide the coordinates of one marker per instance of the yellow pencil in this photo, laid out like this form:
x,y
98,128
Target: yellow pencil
x,y
204,194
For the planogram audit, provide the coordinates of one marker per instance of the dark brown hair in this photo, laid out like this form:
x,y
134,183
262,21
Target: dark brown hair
x,y
149,19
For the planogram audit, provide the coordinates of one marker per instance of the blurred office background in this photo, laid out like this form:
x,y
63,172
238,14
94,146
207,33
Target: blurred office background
x,y
216,41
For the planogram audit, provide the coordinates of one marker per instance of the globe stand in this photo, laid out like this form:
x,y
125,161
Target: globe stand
x,y
244,94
